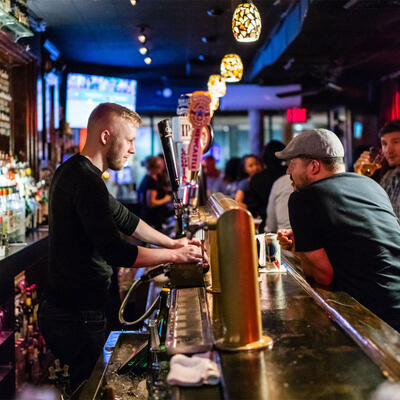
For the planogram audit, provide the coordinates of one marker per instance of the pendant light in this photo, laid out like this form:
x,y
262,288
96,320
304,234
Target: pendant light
x,y
232,68
246,23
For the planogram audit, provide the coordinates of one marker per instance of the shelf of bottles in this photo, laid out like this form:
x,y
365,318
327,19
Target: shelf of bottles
x,y
30,347
23,202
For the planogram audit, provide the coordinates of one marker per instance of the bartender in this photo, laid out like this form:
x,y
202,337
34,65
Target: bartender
x,y
85,242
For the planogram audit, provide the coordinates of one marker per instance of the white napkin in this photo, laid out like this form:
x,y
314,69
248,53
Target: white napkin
x,y
193,371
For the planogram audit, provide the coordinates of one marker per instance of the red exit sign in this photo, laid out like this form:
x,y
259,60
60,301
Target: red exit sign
x,y
296,115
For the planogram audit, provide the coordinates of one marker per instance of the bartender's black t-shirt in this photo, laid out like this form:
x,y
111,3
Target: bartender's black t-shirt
x,y
351,217
84,236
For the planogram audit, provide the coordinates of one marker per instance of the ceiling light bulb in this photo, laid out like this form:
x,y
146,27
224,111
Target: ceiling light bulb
x,y
133,2
143,50
141,38
246,23
147,60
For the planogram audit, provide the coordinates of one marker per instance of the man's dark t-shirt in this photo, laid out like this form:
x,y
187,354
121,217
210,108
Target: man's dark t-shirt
x,y
85,225
351,217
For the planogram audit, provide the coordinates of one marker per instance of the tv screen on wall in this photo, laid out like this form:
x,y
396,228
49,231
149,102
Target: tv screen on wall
x,y
85,92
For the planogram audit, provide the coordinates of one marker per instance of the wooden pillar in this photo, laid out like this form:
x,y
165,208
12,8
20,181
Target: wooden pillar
x,y
287,132
256,134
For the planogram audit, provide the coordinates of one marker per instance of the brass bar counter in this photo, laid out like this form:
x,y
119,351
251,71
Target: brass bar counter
x,y
326,345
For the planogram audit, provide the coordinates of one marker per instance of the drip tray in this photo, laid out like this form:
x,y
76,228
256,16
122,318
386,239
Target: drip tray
x,y
189,327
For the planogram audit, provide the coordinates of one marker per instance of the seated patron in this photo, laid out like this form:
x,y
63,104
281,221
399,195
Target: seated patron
x,y
261,183
344,228
390,145
251,165
153,194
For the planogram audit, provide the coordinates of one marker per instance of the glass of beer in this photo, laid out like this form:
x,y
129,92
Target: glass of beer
x,y
375,162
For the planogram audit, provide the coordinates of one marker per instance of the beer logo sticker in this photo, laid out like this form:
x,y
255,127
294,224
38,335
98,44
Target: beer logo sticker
x,y
199,116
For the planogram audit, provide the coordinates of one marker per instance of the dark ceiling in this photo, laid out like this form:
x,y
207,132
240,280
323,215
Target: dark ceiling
x,y
345,42
104,32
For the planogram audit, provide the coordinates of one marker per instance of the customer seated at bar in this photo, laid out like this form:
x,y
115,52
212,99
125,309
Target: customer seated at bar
x,y
85,242
277,209
250,165
344,228
230,181
390,145
212,174
261,183
153,194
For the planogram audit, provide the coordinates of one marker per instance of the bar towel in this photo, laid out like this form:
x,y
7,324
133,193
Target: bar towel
x,y
193,371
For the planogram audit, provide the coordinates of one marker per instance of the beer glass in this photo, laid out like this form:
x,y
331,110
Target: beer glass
x,y
375,162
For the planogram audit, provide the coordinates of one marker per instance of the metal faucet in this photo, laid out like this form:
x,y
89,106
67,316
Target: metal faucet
x,y
192,229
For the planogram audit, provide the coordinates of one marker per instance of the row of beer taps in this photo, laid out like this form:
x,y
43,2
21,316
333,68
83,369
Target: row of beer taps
x,y
184,140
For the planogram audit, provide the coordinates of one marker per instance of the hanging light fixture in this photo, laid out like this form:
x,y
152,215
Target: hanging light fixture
x,y
214,104
147,60
216,85
133,2
246,23
143,50
142,37
232,68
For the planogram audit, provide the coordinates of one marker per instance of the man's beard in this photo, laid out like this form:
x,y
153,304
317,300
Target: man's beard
x,y
114,163
301,185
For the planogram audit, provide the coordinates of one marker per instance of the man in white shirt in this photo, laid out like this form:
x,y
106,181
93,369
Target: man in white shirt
x,y
277,209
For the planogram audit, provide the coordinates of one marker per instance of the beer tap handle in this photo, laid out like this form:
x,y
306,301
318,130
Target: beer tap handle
x,y
199,116
167,144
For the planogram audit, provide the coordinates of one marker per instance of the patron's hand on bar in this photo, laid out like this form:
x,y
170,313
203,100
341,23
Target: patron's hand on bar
x,y
286,239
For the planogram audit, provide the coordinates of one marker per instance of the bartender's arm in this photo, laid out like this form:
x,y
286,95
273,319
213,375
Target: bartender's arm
x,y
146,233
131,225
315,264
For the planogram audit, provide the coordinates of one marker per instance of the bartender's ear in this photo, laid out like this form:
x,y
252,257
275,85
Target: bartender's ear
x,y
105,136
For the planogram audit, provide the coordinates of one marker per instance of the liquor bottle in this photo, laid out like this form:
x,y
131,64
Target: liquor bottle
x,y
65,384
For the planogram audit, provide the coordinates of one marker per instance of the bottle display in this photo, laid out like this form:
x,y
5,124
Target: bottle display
x,y
23,202
30,347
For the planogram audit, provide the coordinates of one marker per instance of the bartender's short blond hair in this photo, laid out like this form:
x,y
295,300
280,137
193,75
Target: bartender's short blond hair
x,y
106,109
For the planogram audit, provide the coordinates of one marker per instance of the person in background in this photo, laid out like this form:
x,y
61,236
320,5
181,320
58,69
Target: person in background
x,y
250,165
230,180
213,175
261,183
277,209
85,242
345,231
153,194
390,144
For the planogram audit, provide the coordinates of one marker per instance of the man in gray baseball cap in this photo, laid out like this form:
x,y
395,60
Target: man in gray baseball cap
x,y
314,154
344,228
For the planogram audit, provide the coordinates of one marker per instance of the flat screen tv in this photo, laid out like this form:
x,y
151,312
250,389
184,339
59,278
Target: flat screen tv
x,y
85,92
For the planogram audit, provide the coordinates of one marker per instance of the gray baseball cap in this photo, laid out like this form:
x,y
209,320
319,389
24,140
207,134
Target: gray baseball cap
x,y
313,143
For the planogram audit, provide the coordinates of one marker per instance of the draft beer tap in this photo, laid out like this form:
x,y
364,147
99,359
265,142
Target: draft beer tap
x,y
167,144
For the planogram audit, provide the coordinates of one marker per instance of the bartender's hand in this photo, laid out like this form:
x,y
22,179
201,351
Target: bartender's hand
x,y
286,239
363,159
178,243
187,254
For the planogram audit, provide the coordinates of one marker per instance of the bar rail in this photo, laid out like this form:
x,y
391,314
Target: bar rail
x,y
375,337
